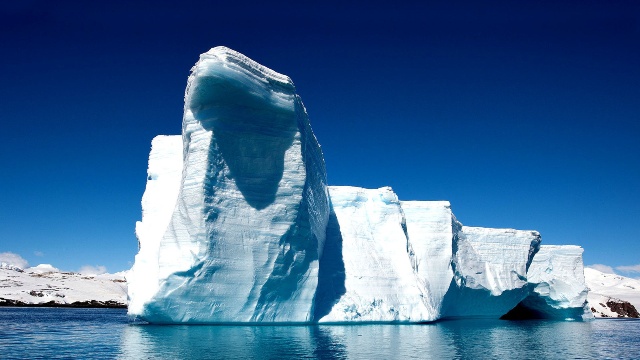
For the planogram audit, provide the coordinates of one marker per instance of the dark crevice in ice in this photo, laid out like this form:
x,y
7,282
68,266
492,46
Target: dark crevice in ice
x,y
535,306
331,275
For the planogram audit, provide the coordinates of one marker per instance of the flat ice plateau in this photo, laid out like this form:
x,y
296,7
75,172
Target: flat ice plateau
x,y
239,226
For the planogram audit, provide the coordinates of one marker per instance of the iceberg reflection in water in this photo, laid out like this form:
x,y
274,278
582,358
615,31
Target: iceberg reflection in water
x,y
455,339
47,333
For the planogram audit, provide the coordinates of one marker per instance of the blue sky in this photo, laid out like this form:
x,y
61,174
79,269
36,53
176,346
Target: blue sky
x,y
523,114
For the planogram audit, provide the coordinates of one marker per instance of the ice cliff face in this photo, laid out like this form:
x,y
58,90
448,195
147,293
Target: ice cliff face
x,y
558,286
431,228
247,226
380,282
158,201
490,270
239,226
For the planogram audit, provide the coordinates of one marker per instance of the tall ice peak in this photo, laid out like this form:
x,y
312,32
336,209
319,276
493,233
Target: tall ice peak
x,y
242,226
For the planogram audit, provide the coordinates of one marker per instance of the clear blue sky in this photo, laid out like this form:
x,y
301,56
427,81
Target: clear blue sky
x,y
523,114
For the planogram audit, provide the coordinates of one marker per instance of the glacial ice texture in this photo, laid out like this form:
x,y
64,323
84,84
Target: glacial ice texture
x,y
243,241
431,227
490,270
559,288
158,201
379,282
239,226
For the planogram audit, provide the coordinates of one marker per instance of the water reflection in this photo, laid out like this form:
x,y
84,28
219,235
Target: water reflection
x,y
395,341
226,342
105,334
496,339
457,339
277,342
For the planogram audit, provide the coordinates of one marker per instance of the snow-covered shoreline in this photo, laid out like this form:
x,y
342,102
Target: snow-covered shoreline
x,y
48,287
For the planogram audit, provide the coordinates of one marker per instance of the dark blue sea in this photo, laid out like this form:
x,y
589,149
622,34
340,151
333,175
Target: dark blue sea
x,y
47,333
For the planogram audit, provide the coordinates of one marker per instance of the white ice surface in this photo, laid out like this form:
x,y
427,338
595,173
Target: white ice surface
x,y
42,268
158,202
430,230
379,281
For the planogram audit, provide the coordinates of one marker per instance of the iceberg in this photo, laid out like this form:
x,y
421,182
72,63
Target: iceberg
x,y
239,226
558,284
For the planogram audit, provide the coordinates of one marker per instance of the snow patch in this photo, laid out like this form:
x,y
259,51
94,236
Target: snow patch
x,y
42,268
93,270
602,268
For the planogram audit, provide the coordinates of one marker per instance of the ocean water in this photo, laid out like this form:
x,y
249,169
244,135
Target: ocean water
x,y
47,333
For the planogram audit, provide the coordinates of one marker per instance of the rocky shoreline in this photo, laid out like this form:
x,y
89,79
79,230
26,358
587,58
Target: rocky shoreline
x,y
77,304
622,309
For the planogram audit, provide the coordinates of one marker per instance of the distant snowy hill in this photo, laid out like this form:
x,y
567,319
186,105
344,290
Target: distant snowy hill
x,y
45,285
610,293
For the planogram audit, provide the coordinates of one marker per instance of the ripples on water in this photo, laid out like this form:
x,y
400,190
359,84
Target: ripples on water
x,y
46,333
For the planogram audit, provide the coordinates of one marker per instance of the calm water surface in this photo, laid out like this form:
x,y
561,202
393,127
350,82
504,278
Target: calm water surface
x,y
47,333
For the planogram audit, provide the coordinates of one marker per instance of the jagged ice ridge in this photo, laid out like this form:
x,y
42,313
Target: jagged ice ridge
x,y
239,226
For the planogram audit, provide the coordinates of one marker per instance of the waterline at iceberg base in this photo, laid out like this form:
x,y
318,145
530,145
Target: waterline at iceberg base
x,y
239,226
